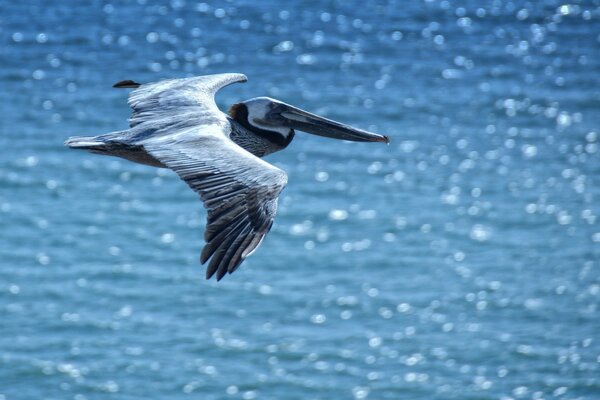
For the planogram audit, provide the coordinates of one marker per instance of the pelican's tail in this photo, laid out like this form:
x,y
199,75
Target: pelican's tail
x,y
106,143
85,143
112,144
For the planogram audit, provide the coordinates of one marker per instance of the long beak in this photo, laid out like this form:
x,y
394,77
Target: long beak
x,y
301,120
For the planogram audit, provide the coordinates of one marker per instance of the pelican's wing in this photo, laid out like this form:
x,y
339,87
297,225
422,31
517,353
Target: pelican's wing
x,y
175,100
238,189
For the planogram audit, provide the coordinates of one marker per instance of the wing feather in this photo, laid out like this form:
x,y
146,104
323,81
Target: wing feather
x,y
177,101
239,191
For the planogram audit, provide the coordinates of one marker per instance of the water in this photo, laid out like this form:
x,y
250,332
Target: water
x,y
459,262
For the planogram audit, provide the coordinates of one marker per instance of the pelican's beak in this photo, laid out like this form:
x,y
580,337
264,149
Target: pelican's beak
x,y
301,120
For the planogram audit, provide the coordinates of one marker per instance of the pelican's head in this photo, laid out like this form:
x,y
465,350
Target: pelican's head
x,y
278,120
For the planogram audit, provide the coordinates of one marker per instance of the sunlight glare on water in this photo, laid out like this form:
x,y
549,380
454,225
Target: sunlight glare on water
x,y
460,261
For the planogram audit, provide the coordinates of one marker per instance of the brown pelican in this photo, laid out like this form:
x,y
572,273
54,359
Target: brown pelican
x,y
176,124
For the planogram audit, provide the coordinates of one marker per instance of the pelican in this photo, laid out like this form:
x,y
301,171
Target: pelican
x,y
176,124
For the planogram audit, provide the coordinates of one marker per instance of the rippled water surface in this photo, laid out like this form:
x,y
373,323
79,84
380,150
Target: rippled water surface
x,y
459,262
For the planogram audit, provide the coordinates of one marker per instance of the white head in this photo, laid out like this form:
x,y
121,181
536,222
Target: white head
x,y
259,109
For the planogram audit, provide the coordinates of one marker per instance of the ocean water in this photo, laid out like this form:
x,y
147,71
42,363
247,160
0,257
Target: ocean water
x,y
459,262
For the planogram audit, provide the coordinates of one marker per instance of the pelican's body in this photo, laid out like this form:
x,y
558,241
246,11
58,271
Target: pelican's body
x,y
176,124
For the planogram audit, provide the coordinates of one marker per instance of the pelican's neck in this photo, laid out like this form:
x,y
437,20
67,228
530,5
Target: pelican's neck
x,y
256,143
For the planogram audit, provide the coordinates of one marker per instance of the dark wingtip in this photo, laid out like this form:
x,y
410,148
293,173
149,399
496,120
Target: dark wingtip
x,y
205,255
221,274
386,139
129,84
210,273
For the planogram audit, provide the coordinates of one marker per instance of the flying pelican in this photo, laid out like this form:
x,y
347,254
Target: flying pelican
x,y
176,124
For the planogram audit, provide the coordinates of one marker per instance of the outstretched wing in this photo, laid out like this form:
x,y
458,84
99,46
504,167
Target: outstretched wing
x,y
165,102
238,189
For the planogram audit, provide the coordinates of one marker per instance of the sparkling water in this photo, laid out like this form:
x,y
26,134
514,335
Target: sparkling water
x,y
459,262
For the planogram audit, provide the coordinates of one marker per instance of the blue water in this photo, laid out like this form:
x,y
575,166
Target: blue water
x,y
459,262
